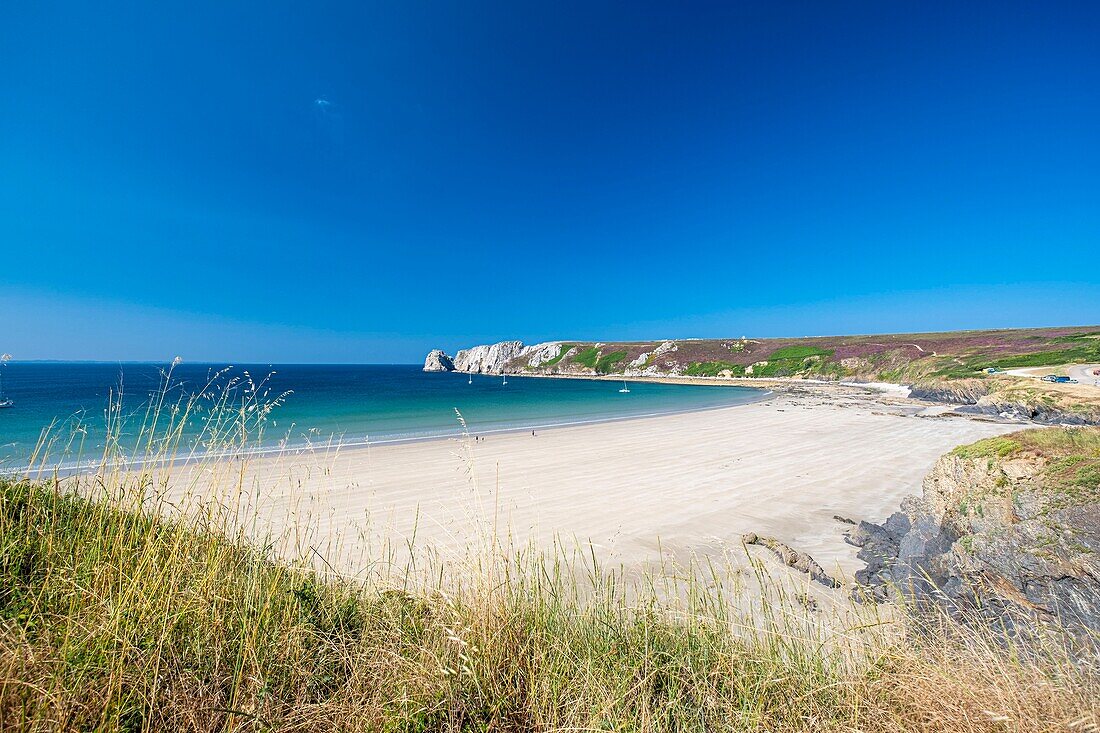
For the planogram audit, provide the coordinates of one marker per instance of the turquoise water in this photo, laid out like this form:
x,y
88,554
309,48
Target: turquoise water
x,y
355,403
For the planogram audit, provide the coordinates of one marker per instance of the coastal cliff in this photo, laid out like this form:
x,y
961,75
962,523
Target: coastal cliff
x,y
959,366
963,368
490,359
556,357
1007,528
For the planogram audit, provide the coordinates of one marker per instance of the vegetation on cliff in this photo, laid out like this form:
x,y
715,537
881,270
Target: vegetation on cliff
x,y
1065,462
890,357
1007,528
962,366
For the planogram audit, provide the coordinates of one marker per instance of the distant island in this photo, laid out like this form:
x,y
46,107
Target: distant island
x,y
964,367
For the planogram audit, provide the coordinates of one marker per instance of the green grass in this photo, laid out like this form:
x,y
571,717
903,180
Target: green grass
x,y
117,619
561,355
601,363
999,447
779,368
891,375
798,352
1071,459
797,361
1085,336
588,357
607,362
969,367
1086,353
1048,443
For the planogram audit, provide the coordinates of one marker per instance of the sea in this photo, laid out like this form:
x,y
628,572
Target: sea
x,y
310,404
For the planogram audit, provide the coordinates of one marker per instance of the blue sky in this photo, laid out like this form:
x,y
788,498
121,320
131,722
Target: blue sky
x,y
361,182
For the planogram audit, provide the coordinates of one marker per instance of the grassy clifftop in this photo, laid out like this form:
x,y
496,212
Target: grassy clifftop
x,y
1007,528
889,357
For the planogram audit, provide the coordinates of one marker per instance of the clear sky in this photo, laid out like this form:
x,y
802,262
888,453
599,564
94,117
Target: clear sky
x,y
318,181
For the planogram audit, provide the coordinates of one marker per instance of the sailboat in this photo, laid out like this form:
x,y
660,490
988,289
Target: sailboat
x,y
4,402
470,380
625,389
505,382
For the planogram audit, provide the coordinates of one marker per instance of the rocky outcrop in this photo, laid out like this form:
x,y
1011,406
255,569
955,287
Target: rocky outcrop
x,y
957,392
1034,410
1007,529
1004,400
438,361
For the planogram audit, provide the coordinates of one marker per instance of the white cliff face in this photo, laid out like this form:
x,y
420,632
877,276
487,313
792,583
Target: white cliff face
x,y
513,356
541,353
494,358
490,359
438,361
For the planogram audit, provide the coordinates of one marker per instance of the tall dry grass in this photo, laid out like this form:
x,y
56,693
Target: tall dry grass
x,y
123,609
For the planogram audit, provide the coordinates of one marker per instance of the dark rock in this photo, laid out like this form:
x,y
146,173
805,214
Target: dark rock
x,y
992,539
961,392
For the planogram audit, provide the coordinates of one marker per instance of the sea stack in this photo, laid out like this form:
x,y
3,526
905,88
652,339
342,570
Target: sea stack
x,y
438,361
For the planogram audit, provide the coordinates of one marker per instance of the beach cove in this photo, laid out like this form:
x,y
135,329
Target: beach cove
x,y
636,492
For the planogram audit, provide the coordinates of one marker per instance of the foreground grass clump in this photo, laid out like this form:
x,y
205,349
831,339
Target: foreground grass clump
x,y
113,617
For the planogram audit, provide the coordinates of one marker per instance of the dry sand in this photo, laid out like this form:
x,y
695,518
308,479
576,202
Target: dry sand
x,y
671,486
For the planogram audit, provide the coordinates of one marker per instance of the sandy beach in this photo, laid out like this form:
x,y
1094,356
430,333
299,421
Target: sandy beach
x,y
637,490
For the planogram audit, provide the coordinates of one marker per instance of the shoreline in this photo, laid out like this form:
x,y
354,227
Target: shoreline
x,y
887,393
637,491
771,383
768,387
332,443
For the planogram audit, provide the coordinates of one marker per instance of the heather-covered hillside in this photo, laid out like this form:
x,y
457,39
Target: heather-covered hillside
x,y
964,367
914,357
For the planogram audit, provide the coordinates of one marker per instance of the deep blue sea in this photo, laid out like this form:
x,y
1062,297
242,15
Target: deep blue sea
x,y
354,403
